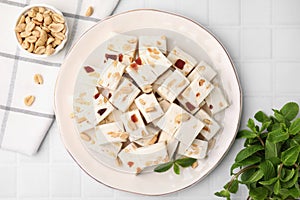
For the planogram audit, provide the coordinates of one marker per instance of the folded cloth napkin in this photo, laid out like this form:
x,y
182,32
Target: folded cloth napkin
x,y
23,127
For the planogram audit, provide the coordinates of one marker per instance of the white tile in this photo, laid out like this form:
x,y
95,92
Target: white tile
x,y
121,195
256,43
65,181
6,70
8,181
224,167
34,180
253,104
201,15
257,78
25,85
286,12
224,12
167,5
8,40
126,5
287,43
7,157
256,12
230,37
287,78
200,190
58,153
92,188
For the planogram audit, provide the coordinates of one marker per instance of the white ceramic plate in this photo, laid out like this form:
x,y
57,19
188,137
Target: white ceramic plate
x,y
180,31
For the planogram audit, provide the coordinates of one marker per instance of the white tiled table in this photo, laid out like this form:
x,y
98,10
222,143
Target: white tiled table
x,y
263,38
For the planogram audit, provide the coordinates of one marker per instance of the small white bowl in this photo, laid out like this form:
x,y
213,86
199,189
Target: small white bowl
x,y
57,48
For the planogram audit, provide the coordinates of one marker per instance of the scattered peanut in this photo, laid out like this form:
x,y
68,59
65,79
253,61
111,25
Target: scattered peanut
x,y
89,11
38,79
194,165
28,101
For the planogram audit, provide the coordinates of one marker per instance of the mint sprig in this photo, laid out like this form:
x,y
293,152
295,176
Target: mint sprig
x,y
269,162
183,162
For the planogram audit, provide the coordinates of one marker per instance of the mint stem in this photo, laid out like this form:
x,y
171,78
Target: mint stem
x,y
261,141
239,173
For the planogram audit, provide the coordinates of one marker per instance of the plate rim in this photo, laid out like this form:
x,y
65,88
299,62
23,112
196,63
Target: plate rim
x,y
232,66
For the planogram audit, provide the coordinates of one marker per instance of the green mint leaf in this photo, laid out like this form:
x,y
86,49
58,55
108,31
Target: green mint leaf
x,y
163,167
269,182
176,169
294,192
232,186
284,193
295,127
251,160
251,125
290,110
259,193
247,174
246,134
289,174
268,169
291,182
248,151
289,156
261,116
277,136
279,117
277,187
185,162
223,193
271,150
255,177
265,125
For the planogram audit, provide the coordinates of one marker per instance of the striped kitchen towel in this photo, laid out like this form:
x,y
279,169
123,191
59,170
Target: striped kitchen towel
x,y
24,127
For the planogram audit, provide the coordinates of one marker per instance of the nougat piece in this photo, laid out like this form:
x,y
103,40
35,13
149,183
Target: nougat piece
x,y
122,48
159,81
204,70
211,126
124,95
136,159
197,91
111,75
153,41
156,59
134,124
216,101
187,131
111,132
143,75
102,107
181,60
197,150
172,119
173,86
149,107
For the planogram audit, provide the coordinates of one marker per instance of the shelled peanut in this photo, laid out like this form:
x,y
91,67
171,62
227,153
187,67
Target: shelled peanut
x,y
40,30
